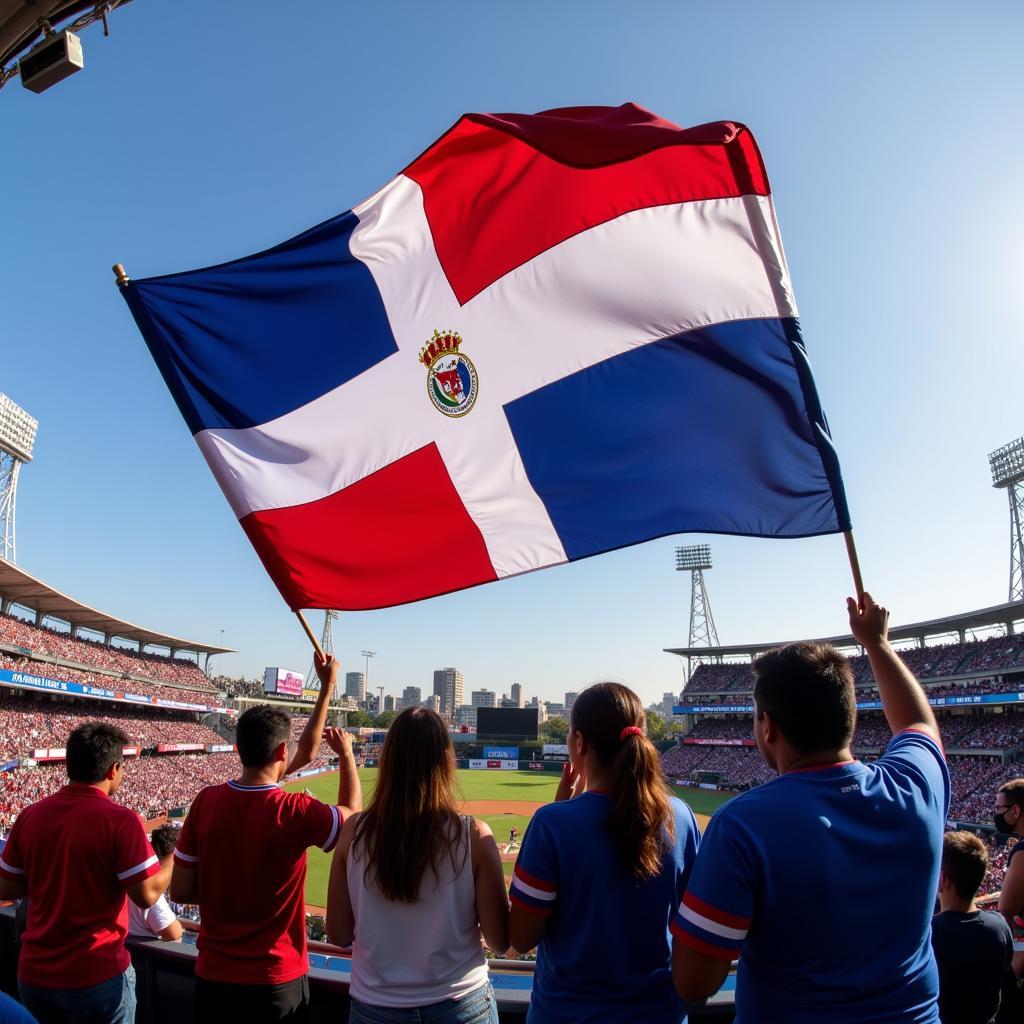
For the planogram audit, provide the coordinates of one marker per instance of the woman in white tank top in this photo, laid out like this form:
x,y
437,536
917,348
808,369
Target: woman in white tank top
x,y
414,888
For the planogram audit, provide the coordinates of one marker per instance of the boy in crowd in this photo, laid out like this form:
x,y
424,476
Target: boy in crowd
x,y
159,919
75,855
973,948
242,858
796,877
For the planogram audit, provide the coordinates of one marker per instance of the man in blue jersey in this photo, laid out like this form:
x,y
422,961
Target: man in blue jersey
x,y
823,880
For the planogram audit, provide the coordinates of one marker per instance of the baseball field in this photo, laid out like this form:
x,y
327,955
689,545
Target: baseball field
x,y
505,800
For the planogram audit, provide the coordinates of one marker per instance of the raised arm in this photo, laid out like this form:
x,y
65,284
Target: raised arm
x,y
350,790
341,922
903,699
489,882
309,742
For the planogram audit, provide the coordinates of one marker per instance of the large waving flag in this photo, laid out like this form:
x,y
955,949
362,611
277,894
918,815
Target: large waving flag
x,y
550,336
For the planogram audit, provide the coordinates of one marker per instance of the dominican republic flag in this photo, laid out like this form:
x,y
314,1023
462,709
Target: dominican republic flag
x,y
551,335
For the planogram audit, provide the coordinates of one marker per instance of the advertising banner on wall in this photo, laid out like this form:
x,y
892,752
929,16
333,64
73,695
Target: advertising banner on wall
x,y
502,753
219,748
718,743
48,754
172,748
43,684
32,682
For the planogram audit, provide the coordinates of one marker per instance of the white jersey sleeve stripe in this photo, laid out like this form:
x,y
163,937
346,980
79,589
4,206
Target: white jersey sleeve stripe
x,y
530,890
122,875
723,931
334,829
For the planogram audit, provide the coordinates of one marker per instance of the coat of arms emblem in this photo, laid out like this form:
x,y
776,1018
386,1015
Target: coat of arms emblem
x,y
452,382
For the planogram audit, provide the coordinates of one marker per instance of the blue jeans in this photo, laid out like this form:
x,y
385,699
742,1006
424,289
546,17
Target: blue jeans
x,y
109,1002
478,1007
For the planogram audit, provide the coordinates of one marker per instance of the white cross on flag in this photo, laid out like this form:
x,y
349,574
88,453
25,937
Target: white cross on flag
x,y
550,336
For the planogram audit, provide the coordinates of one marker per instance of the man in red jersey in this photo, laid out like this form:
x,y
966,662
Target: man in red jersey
x,y
75,855
242,858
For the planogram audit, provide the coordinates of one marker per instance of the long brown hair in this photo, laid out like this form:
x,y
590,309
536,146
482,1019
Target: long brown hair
x,y
412,821
641,820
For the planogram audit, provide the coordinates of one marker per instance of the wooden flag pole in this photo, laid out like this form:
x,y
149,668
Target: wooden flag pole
x,y
312,636
121,275
851,553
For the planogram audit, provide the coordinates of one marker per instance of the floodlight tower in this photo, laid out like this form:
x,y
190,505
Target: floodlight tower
x,y
327,646
17,435
367,655
695,559
1007,465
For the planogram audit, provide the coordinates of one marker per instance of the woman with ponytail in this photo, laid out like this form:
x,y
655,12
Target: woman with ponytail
x,y
414,887
601,874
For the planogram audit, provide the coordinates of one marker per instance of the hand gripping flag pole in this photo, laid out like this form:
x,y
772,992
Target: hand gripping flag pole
x,y
121,275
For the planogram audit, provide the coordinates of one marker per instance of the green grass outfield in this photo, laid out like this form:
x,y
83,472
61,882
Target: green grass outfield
x,y
538,787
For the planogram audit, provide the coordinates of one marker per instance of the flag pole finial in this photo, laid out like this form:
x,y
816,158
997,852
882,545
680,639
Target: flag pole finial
x,y
121,274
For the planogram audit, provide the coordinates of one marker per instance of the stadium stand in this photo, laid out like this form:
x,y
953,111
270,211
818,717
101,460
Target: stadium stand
x,y
27,723
996,654
41,640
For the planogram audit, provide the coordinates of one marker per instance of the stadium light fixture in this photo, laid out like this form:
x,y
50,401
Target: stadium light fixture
x,y
1007,463
53,60
696,556
17,430
17,436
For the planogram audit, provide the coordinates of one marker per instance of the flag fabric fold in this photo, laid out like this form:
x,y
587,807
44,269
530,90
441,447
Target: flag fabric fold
x,y
550,336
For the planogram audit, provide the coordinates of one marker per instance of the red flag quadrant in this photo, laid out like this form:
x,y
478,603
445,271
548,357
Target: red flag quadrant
x,y
550,336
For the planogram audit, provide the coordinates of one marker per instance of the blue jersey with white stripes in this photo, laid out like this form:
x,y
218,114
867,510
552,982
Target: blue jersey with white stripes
x,y
823,883
606,954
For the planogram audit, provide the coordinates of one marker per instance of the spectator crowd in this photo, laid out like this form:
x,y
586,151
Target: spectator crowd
x,y
42,639
994,655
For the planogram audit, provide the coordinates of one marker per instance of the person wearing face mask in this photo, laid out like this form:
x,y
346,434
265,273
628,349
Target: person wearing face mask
x,y
1009,821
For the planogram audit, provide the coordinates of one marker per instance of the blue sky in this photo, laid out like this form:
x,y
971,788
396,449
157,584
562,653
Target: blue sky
x,y
201,131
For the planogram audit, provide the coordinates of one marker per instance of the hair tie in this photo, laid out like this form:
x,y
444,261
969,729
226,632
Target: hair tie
x,y
630,730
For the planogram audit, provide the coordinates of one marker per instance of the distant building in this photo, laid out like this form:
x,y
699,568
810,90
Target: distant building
x,y
483,699
516,695
355,686
570,699
389,703
465,714
668,702
433,702
372,704
448,685
412,697
542,708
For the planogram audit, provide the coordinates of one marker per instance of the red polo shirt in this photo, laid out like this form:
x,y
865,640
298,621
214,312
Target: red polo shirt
x,y
78,851
248,846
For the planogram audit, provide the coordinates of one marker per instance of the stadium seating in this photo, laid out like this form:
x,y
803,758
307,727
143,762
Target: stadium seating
x,y
975,777
137,686
996,654
42,640
26,723
150,783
